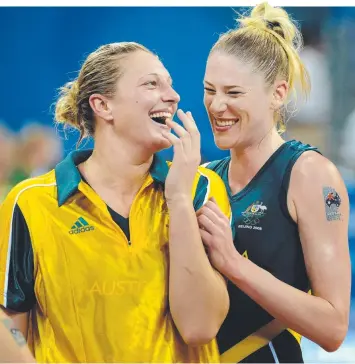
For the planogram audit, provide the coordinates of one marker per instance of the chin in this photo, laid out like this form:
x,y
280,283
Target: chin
x,y
223,144
160,144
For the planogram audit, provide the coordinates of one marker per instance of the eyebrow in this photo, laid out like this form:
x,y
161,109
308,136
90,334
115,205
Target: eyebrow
x,y
226,87
155,74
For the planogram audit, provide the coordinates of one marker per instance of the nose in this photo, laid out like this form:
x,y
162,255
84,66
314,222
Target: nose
x,y
170,95
218,105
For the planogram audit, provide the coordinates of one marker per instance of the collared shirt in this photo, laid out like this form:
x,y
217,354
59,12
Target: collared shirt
x,y
95,296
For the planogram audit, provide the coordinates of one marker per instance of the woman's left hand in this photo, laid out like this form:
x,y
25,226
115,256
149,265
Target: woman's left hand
x,y
187,157
216,234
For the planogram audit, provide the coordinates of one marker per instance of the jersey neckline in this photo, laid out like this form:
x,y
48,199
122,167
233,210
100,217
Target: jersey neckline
x,y
249,186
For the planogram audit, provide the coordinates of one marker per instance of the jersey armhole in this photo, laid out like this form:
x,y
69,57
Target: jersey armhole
x,y
285,184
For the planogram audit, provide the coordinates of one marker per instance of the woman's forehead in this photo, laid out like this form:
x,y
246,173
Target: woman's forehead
x,y
141,64
227,69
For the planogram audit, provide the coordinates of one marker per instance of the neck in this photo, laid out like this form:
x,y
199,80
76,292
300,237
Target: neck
x,y
246,162
117,166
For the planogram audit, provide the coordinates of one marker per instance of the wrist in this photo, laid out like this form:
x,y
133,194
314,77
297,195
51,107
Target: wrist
x,y
234,267
178,200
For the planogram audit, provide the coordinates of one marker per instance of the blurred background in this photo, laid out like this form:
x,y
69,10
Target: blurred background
x,y
42,48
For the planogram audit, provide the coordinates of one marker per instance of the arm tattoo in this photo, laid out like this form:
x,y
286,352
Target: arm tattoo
x,y
16,333
332,202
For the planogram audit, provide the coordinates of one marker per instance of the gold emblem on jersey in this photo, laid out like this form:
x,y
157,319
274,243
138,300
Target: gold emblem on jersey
x,y
253,214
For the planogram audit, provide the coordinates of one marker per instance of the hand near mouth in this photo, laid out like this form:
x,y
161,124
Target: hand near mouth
x,y
187,156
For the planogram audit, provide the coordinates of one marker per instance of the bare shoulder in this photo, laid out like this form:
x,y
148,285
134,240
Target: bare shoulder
x,y
315,178
312,166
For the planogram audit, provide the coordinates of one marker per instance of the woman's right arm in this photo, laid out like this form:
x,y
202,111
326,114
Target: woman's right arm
x,y
17,296
13,346
198,296
322,317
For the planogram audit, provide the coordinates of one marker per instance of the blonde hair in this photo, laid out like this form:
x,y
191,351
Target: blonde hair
x,y
270,41
99,74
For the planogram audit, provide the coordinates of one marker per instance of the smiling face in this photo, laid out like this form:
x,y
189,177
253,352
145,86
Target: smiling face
x,y
238,101
143,100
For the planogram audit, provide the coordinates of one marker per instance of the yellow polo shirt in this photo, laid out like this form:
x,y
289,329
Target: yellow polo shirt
x,y
94,296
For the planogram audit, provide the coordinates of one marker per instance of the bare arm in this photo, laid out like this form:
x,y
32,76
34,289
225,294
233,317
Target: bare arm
x,y
323,317
198,296
13,346
20,320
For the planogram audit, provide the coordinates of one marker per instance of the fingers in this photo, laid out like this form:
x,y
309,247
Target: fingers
x,y
212,204
190,125
206,224
187,120
208,212
179,130
213,212
206,237
188,135
173,139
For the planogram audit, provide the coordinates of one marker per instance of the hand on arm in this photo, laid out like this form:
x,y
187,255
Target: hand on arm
x,y
315,189
197,294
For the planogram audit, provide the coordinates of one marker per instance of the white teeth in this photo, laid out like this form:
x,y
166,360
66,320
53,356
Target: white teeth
x,y
160,115
226,122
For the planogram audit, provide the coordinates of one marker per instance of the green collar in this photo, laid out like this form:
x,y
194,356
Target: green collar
x,y
68,176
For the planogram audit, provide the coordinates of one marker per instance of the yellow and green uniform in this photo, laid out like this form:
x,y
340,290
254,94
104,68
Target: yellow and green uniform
x,y
94,295
264,233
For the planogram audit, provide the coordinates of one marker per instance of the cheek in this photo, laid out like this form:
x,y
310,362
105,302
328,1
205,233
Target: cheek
x,y
248,105
148,100
207,100
240,106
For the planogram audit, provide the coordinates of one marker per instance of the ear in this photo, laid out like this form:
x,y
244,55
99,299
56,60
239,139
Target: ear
x,y
280,94
101,106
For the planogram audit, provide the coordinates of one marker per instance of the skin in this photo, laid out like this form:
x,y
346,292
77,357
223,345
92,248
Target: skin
x,y
323,316
125,130
13,348
125,140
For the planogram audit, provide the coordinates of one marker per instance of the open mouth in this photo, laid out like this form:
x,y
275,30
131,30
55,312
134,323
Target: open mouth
x,y
160,117
225,123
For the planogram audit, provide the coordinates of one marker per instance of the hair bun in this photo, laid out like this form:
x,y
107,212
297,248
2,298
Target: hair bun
x,y
266,17
66,108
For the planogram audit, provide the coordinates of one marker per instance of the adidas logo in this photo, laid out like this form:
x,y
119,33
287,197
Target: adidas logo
x,y
81,226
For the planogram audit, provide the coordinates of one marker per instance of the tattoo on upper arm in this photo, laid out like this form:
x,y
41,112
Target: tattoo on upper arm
x,y
332,202
16,333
